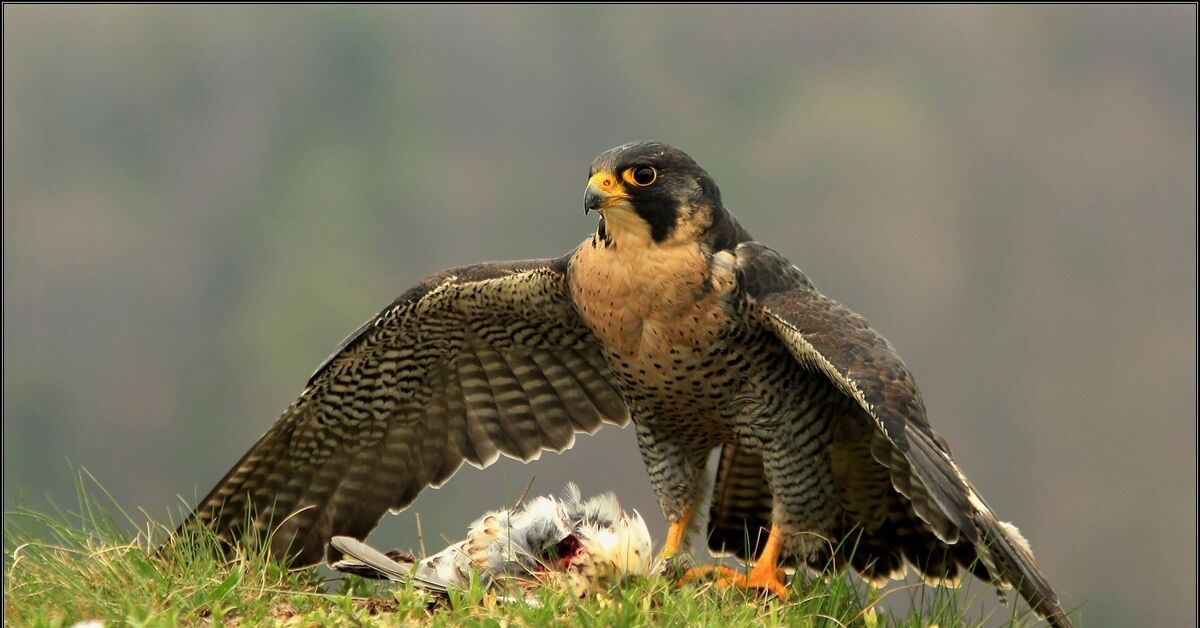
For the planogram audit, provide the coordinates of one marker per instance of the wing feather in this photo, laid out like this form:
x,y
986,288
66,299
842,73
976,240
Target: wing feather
x,y
585,417
469,364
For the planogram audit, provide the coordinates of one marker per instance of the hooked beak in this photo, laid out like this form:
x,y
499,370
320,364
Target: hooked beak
x,y
603,190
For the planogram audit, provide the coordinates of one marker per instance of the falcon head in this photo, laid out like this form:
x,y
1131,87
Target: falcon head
x,y
652,192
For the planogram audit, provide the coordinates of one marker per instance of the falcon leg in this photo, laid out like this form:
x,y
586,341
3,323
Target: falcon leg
x,y
676,535
765,574
676,473
796,465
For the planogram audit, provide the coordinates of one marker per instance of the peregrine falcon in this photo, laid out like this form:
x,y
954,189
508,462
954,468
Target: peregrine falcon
x,y
669,315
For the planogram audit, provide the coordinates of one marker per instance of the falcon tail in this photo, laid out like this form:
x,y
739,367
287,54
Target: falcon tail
x,y
740,514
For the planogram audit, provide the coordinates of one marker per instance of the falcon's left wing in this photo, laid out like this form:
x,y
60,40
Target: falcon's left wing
x,y
826,337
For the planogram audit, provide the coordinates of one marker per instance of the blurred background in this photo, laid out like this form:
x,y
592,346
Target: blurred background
x,y
199,203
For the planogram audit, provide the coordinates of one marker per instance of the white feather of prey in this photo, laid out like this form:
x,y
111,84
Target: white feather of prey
x,y
564,541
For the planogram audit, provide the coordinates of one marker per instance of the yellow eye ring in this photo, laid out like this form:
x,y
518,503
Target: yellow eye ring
x,y
640,176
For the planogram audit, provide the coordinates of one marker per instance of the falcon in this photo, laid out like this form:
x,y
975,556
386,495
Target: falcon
x,y
673,317
582,545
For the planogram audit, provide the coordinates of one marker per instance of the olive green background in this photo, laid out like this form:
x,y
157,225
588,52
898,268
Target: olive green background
x,y
199,202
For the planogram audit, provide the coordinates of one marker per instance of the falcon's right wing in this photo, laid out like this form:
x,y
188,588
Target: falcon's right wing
x,y
469,364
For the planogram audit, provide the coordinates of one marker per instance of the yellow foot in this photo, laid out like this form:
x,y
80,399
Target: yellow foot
x,y
676,535
767,580
765,574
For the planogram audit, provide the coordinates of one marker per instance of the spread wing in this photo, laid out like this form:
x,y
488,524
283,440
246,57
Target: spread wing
x,y
469,364
826,337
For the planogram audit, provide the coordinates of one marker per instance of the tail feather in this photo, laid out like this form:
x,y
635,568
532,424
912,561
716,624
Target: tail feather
x,y
361,569
365,559
740,516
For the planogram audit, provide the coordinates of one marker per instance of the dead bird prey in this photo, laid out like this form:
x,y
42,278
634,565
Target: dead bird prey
x,y
582,545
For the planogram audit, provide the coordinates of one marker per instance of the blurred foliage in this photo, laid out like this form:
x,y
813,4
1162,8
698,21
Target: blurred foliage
x,y
199,202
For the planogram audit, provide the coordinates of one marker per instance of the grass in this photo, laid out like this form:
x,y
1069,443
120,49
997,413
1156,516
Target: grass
x,y
63,567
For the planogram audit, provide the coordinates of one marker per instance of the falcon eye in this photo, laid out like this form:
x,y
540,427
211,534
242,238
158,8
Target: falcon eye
x,y
641,176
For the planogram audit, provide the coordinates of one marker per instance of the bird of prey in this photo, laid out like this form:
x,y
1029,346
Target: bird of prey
x,y
670,315
582,545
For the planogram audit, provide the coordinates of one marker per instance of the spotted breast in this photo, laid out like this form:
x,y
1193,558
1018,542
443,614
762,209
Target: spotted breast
x,y
662,312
